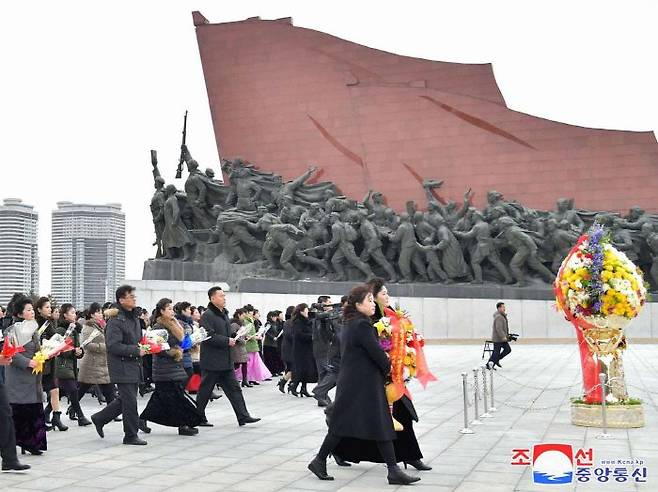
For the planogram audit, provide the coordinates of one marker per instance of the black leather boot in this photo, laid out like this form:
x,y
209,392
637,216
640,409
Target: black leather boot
x,y
141,425
397,477
57,422
282,385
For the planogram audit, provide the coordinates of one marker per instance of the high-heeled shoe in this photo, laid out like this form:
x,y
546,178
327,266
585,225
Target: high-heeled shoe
x,y
304,392
57,422
32,451
246,384
418,465
397,477
83,421
292,389
71,413
142,425
282,385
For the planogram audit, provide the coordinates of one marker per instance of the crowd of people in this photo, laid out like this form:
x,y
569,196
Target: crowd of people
x,y
331,345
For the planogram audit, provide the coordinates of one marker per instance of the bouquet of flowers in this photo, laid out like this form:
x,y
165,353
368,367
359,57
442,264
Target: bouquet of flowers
x,y
199,334
11,348
52,347
404,347
600,291
154,341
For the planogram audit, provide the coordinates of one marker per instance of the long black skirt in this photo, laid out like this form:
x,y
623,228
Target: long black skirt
x,y
272,359
169,405
405,443
30,425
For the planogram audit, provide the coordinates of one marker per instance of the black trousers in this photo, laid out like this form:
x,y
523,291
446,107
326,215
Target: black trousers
x,y
227,381
326,384
69,387
500,351
7,433
126,405
106,389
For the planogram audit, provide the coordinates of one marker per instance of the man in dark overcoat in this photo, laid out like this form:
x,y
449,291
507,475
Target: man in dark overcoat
x,y
216,364
124,361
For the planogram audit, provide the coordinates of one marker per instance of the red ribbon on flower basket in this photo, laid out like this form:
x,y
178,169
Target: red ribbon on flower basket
x,y
423,373
590,366
397,388
9,349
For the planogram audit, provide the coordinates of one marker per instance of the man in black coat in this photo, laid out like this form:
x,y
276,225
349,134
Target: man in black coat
x,y
216,364
124,361
329,376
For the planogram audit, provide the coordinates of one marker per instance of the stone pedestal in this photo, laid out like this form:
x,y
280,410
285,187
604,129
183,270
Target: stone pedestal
x,y
617,416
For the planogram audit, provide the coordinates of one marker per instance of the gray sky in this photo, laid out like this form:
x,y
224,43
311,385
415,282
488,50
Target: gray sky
x,y
87,88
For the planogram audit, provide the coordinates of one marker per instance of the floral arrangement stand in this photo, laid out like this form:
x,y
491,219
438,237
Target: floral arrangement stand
x,y
600,291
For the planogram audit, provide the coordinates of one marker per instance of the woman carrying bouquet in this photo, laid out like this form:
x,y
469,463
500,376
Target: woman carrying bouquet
x,y
360,412
239,354
169,405
406,445
256,369
183,312
47,326
24,389
93,365
67,363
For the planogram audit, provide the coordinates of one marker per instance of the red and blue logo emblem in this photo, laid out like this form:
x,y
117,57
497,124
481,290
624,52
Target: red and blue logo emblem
x,y
552,463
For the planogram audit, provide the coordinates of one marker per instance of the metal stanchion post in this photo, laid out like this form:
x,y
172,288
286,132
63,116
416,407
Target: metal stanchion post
x,y
604,417
465,430
485,396
476,411
491,393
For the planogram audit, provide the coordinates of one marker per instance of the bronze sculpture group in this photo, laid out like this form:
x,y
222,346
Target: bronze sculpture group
x,y
312,230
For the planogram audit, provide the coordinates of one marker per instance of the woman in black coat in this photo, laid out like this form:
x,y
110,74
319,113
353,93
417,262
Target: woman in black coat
x,y
360,411
303,360
66,365
287,340
169,405
406,445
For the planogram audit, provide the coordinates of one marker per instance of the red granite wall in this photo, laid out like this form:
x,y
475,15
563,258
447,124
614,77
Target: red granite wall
x,y
284,97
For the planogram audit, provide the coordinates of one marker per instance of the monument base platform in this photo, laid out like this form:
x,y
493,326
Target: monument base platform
x,y
617,416
258,278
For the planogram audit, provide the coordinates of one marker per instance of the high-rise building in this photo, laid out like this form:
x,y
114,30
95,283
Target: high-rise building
x,y
88,252
19,250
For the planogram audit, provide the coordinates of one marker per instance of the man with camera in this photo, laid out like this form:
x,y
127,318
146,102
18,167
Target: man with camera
x,y
325,318
500,337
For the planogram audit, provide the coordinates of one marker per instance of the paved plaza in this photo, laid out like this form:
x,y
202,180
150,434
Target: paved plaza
x,y
532,394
